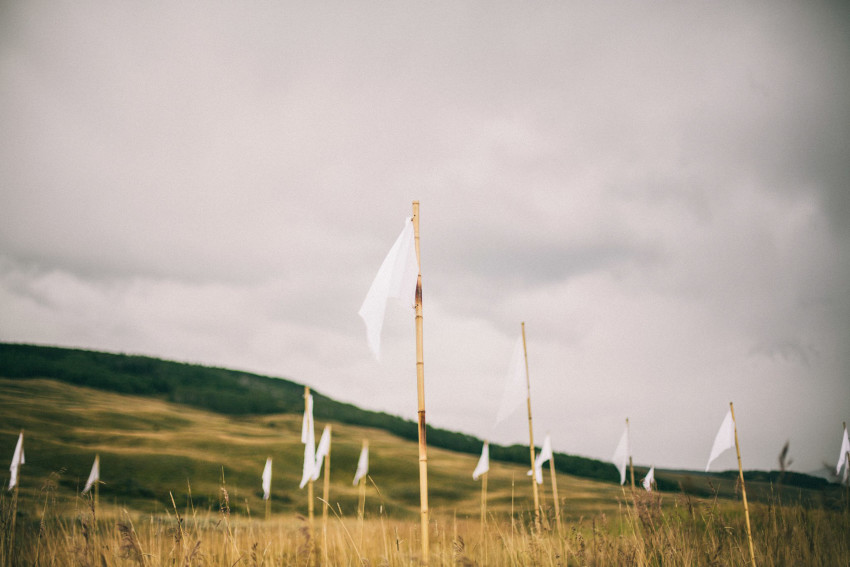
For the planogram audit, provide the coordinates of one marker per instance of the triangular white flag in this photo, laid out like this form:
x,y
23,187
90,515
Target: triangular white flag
x,y
322,451
483,462
362,465
94,475
267,479
17,461
621,455
649,479
308,437
724,440
544,455
516,383
396,278
842,458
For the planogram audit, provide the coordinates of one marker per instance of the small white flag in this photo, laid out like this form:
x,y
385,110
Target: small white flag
x,y
396,278
545,455
649,479
17,461
621,455
308,437
322,451
724,440
267,479
362,465
516,383
94,475
483,463
842,458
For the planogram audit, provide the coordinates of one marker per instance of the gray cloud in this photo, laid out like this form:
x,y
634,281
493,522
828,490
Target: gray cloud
x,y
658,190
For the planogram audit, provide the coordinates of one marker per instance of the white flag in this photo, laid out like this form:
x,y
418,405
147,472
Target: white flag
x,y
267,479
94,475
322,451
308,437
621,455
545,455
842,458
362,465
396,278
516,383
724,440
483,463
17,461
649,479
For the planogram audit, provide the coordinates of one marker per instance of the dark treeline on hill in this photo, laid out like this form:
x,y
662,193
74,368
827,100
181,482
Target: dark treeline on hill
x,y
236,393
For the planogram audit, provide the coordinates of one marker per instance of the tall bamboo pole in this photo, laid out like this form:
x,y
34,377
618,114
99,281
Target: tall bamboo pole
x,y
555,493
326,490
743,488
531,435
420,390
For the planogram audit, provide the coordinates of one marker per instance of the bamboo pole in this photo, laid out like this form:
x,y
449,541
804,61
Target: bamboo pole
x,y
361,498
326,490
531,435
420,390
310,482
629,449
484,515
555,493
846,459
743,487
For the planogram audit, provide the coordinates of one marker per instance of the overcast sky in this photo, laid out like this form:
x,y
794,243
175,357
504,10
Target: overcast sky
x,y
658,189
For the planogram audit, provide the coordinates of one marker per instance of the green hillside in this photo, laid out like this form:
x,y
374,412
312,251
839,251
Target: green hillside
x,y
150,449
235,393
160,424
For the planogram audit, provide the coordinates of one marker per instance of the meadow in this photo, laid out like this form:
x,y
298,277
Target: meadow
x,y
181,486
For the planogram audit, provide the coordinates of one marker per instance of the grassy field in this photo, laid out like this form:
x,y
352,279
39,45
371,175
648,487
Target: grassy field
x,y
182,486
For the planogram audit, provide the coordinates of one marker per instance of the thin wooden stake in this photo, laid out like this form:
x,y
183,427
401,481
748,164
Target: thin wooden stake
x,y
484,516
555,493
420,390
629,449
531,435
361,498
326,489
310,482
743,488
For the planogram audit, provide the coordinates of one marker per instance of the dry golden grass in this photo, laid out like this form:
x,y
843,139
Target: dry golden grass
x,y
163,501
642,532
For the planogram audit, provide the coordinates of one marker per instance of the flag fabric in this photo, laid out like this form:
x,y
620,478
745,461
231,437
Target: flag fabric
x,y
516,383
17,461
308,437
94,475
842,458
362,465
649,479
724,440
483,463
267,479
396,278
544,455
322,451
621,455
